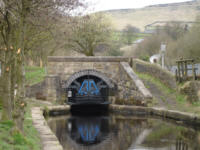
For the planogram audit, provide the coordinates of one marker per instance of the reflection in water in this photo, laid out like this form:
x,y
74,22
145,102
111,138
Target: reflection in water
x,y
88,130
180,145
122,133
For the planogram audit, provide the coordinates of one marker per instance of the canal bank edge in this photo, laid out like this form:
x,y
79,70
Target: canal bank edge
x,y
50,142
48,139
160,112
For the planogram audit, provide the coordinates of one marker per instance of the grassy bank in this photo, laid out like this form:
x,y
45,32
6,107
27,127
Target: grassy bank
x,y
34,75
177,101
14,140
179,97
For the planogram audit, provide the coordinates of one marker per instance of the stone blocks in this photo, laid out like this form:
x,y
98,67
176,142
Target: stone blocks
x,y
115,71
192,91
53,88
48,140
156,71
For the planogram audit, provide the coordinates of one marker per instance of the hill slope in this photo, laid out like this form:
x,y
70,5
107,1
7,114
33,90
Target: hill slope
x,y
186,11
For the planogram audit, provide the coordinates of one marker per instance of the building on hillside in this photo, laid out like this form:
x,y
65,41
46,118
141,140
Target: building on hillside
x,y
160,25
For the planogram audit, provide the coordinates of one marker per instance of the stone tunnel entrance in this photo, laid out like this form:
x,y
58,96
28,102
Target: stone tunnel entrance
x,y
88,87
100,80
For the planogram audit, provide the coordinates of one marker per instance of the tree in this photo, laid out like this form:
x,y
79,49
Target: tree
x,y
170,34
129,33
174,30
16,18
87,33
186,46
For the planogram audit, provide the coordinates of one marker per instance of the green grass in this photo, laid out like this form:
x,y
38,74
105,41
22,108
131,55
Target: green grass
x,y
155,81
179,97
14,140
119,36
196,104
34,75
181,103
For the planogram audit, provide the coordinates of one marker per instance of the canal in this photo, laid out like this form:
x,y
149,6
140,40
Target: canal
x,y
106,131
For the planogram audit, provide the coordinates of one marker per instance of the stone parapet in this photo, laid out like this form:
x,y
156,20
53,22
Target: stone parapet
x,y
138,83
88,59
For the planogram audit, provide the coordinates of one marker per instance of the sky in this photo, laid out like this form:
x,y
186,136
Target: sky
x,y
98,5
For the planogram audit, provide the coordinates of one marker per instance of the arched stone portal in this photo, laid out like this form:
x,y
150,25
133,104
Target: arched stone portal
x,y
88,72
110,72
88,87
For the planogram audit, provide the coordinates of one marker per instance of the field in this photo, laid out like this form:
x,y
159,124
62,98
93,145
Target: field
x,y
141,17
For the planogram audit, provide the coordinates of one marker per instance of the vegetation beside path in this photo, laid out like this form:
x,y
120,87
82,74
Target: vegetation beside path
x,y
12,139
167,98
34,75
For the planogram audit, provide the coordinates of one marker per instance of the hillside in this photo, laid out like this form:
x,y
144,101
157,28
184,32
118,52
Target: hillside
x,y
186,11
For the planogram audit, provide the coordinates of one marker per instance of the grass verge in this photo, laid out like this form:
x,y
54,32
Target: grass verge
x,y
179,97
14,140
182,103
34,75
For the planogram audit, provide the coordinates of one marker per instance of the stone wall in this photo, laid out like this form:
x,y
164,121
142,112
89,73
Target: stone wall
x,y
53,88
156,71
61,69
66,66
131,88
37,91
192,91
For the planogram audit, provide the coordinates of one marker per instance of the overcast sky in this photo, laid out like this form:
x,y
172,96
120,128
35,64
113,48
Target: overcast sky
x,y
98,5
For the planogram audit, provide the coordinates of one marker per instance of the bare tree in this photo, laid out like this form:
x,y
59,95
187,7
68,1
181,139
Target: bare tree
x,y
129,33
87,33
16,16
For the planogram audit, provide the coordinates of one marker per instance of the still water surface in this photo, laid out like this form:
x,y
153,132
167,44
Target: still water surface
x,y
112,132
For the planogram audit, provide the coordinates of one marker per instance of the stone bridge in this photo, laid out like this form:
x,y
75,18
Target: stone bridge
x,y
125,87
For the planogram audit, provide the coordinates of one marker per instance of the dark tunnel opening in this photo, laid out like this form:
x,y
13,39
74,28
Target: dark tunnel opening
x,y
88,90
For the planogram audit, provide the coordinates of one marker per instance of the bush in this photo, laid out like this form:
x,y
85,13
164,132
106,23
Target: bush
x,y
187,46
115,52
145,58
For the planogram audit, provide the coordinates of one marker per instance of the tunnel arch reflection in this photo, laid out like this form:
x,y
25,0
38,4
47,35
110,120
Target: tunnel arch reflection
x,y
88,130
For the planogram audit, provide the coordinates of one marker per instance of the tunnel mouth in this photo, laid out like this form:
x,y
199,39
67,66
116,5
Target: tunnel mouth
x,y
88,90
89,110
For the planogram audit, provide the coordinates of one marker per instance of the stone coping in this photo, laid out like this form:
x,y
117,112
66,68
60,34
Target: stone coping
x,y
48,139
50,142
139,84
188,118
88,59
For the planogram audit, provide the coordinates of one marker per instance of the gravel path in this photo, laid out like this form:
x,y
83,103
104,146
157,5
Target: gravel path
x,y
163,100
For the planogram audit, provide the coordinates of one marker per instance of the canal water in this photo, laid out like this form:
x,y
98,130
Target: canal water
x,y
115,132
